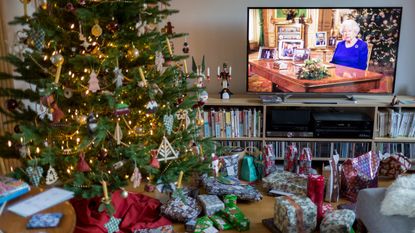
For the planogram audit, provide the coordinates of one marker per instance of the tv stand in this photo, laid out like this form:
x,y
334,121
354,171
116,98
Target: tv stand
x,y
321,97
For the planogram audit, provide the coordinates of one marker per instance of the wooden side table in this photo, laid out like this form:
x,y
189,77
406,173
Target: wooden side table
x,y
13,223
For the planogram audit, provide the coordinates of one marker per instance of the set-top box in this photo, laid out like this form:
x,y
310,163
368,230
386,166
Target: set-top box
x,y
341,124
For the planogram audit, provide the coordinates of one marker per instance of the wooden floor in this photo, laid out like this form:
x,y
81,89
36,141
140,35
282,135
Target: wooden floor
x,y
255,211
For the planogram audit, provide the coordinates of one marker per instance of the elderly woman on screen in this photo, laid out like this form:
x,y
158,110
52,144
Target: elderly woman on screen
x,y
351,51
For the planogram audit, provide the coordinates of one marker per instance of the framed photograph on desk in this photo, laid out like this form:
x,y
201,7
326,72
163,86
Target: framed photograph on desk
x,y
321,39
300,55
286,48
267,53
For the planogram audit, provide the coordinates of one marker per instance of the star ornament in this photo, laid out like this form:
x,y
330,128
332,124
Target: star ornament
x,y
112,224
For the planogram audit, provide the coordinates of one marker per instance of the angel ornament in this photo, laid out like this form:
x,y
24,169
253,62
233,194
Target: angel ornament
x,y
183,116
159,62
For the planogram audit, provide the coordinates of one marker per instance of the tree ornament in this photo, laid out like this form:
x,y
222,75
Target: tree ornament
x,y
69,7
121,109
133,53
141,27
159,61
169,47
82,2
43,4
113,224
154,162
50,102
168,29
51,176
118,164
203,97
168,123
35,174
103,153
112,26
185,46
136,177
96,30
199,118
166,151
143,82
118,133
183,116
93,82
82,119
11,104
92,123
24,150
119,77
57,59
16,129
124,193
82,165
152,106
38,37
67,92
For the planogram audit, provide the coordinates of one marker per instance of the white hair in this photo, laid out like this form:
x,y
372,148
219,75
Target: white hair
x,y
351,24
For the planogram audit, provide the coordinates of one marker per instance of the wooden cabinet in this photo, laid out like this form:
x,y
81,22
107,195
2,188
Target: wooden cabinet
x,y
374,106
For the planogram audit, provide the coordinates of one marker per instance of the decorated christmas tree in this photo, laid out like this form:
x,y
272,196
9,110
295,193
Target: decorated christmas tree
x,y
109,100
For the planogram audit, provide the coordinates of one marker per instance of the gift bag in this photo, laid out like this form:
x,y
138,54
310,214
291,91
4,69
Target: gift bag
x,y
290,158
269,159
332,176
248,169
394,165
359,173
304,162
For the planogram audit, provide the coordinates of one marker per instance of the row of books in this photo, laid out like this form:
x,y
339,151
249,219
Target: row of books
x,y
232,123
396,123
243,144
407,149
323,149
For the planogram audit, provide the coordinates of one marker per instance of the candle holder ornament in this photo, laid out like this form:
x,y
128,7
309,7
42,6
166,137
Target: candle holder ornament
x,y
225,76
201,76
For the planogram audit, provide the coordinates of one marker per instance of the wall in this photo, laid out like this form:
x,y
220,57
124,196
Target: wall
x,y
217,30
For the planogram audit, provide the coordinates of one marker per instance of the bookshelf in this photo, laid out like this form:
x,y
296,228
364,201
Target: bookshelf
x,y
375,106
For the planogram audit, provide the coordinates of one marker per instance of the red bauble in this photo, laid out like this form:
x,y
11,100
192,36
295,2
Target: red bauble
x,y
112,27
11,104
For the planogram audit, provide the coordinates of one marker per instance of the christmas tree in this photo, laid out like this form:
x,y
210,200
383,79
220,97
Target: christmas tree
x,y
380,27
109,99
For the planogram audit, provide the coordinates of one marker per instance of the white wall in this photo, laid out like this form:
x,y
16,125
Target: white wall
x,y
217,29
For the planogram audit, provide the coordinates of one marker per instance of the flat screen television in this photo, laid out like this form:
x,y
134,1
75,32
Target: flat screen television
x,y
322,50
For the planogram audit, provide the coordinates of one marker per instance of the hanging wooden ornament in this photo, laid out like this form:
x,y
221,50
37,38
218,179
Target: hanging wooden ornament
x,y
154,161
35,174
183,116
141,27
168,123
136,177
159,61
118,133
57,113
93,82
119,77
82,164
51,176
166,151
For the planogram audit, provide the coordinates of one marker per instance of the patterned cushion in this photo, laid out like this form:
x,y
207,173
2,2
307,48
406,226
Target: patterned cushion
x,y
338,221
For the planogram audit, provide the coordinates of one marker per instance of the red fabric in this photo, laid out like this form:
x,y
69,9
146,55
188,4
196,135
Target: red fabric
x,y
315,191
137,212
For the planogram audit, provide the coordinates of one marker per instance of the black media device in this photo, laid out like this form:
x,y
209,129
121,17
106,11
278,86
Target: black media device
x,y
341,125
288,123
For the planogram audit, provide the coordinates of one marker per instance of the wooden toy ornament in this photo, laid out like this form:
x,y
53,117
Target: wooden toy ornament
x,y
51,176
166,151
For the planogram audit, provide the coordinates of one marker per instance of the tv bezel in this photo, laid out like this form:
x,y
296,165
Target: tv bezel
x,y
315,94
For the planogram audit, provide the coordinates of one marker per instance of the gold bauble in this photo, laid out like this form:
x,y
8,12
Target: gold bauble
x,y
96,30
133,53
43,4
57,59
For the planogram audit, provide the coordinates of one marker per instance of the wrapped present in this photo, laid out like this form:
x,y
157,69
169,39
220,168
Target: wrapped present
x,y
394,165
327,208
230,200
190,226
269,159
315,191
162,229
286,182
229,165
359,173
220,223
295,214
204,224
243,192
290,159
304,161
332,176
181,209
211,204
338,221
237,219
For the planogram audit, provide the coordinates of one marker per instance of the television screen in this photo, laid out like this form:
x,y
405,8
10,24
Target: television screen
x,y
323,50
